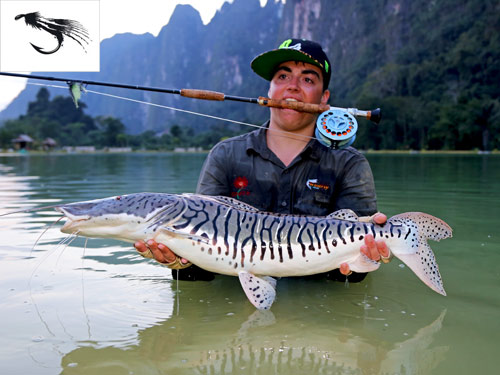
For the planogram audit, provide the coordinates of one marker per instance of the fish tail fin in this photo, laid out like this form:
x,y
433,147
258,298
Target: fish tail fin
x,y
415,252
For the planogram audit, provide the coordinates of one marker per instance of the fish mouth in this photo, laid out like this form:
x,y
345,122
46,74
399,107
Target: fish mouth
x,y
72,220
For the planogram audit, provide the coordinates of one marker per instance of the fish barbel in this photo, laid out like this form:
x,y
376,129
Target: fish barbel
x,y
226,236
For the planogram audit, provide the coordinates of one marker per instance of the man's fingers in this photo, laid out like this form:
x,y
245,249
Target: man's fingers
x,y
370,248
379,218
141,247
143,250
382,248
344,269
160,253
364,250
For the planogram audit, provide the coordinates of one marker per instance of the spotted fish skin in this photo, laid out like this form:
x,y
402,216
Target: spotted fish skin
x,y
226,236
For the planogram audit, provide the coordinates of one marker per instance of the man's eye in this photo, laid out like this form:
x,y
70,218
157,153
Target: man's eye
x,y
282,76
309,80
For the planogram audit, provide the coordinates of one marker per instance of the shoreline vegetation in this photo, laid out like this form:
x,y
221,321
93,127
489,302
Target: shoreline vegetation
x,y
127,150
56,125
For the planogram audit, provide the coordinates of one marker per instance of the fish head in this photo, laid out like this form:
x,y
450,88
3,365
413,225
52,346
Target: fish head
x,y
127,217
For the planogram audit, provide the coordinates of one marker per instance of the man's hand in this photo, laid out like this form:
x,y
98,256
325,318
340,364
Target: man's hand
x,y
375,250
159,252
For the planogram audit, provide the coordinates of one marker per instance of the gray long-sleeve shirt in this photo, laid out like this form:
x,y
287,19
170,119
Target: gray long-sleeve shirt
x,y
317,182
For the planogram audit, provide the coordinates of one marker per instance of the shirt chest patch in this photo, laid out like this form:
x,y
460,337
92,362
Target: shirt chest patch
x,y
313,184
241,185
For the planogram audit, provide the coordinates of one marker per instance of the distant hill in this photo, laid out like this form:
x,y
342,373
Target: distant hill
x,y
431,65
185,54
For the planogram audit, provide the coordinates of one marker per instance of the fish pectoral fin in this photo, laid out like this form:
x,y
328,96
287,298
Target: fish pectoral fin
x,y
176,233
260,291
344,214
363,264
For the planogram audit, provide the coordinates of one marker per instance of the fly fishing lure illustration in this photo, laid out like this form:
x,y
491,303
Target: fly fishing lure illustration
x,y
58,27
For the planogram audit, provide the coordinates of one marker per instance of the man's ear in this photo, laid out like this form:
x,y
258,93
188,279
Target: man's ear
x,y
325,97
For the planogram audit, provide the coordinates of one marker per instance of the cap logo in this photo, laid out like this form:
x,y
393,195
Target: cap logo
x,y
326,66
286,44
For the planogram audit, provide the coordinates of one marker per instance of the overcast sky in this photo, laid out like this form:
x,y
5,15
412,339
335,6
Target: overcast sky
x,y
120,16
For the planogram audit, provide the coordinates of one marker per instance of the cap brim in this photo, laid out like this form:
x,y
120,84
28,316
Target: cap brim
x,y
265,64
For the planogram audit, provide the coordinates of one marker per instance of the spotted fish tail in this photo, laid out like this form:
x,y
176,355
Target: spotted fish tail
x,y
414,250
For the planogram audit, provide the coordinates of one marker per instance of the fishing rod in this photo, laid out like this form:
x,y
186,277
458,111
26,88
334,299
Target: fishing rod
x,y
335,127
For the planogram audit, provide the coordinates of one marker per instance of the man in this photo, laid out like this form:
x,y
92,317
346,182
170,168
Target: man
x,y
283,168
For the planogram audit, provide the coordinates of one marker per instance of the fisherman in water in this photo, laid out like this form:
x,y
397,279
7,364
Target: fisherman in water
x,y
283,168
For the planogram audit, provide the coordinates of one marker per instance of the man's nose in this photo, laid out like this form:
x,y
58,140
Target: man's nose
x,y
293,83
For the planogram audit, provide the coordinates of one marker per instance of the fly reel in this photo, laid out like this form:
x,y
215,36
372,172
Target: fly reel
x,y
337,127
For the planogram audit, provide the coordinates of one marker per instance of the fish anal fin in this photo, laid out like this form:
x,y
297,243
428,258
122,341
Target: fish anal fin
x,y
363,264
260,291
344,214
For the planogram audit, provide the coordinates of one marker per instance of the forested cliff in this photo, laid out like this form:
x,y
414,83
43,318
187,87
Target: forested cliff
x,y
432,66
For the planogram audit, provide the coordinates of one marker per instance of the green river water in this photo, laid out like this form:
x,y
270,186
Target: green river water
x,y
98,308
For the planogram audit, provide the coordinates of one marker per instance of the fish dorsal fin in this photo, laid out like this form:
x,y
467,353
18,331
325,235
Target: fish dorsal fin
x,y
234,203
260,291
344,214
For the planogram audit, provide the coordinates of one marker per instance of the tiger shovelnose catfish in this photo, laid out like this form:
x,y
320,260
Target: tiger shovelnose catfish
x,y
226,236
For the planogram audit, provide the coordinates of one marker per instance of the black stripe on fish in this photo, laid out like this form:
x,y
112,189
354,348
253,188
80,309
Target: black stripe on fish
x,y
407,234
316,234
226,230
237,235
325,241
214,224
311,246
339,232
352,232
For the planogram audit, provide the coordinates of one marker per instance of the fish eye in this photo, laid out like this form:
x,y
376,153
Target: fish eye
x,y
118,198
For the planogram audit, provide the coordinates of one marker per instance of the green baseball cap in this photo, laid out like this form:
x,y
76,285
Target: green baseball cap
x,y
293,50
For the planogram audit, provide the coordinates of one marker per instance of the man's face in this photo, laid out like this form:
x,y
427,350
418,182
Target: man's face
x,y
296,81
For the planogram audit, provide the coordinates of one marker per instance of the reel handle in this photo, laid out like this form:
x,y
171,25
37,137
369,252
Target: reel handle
x,y
375,115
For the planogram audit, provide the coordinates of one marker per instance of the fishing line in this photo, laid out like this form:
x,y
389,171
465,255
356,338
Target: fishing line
x,y
285,133
83,291
45,231
31,210
177,291
31,291
65,247
31,279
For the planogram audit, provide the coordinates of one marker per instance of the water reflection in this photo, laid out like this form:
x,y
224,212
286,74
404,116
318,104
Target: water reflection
x,y
221,334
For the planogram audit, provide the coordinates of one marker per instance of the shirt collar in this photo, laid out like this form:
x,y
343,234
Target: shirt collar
x,y
257,142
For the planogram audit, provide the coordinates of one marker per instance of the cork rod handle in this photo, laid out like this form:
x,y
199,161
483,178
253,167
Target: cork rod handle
x,y
298,106
202,94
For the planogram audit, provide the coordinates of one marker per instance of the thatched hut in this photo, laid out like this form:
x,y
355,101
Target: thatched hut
x,y
22,142
49,144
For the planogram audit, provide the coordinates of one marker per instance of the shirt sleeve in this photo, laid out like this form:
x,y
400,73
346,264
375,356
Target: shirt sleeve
x,y
357,191
358,194
214,174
